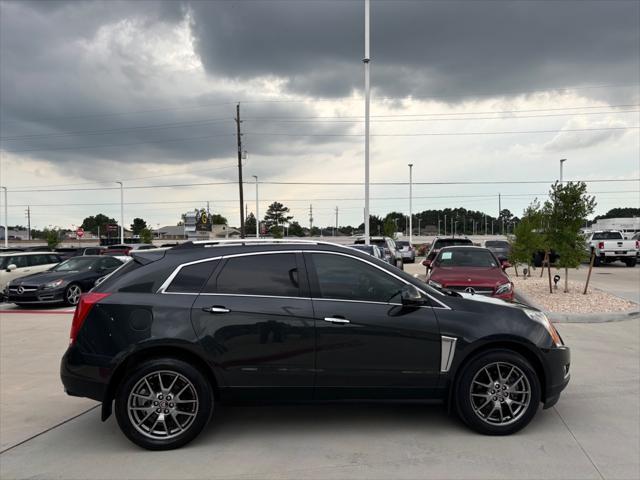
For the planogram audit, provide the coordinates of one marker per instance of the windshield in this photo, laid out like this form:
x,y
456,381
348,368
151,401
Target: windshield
x,y
76,264
402,243
466,258
450,242
607,236
363,248
496,244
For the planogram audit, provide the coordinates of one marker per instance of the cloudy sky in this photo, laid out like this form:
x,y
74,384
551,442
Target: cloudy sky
x,y
468,91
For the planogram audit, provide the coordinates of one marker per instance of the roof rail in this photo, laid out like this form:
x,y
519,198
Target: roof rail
x,y
253,241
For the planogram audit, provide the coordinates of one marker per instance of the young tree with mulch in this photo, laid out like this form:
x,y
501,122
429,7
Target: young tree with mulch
x,y
527,236
565,211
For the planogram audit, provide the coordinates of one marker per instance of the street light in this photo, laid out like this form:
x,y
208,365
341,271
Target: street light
x,y
367,101
562,160
257,213
6,228
410,203
121,212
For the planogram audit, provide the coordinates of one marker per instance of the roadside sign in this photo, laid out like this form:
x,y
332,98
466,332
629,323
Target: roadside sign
x,y
80,232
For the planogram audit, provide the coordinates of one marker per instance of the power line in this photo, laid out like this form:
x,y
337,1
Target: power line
x,y
330,119
305,200
425,134
106,145
160,126
470,182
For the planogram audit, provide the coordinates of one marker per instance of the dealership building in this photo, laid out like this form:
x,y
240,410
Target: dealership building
x,y
625,225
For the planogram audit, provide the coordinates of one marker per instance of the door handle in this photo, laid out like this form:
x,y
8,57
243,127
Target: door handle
x,y
336,320
216,309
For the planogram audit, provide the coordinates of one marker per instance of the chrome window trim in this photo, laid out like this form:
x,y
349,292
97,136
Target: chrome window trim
x,y
170,278
175,272
447,352
250,295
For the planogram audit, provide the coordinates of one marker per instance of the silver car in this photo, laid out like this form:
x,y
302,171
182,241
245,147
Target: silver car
x,y
407,251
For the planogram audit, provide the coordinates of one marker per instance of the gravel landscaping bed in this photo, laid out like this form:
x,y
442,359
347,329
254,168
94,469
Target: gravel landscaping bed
x,y
595,301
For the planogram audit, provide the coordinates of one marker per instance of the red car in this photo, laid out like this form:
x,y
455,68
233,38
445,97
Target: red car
x,y
472,270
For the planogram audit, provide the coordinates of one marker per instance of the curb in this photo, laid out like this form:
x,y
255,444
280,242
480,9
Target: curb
x,y
558,317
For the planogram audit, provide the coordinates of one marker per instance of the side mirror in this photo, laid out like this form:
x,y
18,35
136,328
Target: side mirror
x,y
427,263
411,296
505,264
12,267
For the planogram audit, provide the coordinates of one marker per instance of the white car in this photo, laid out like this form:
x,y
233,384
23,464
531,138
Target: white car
x,y
18,264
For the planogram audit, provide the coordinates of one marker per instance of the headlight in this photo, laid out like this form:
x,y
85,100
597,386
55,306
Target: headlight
x,y
504,288
542,319
54,284
434,284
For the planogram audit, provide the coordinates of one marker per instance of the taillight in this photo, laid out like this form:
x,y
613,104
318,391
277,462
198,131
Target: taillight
x,y
87,301
601,245
637,244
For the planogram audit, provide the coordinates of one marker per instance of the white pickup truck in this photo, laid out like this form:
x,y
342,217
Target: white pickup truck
x,y
610,246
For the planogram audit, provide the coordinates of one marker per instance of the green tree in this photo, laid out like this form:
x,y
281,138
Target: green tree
x,y
138,226
146,236
527,237
565,211
99,221
217,219
52,236
295,230
277,214
250,224
389,228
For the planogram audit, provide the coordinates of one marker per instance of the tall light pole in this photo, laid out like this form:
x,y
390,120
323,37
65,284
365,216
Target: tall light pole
x,y
6,227
410,203
445,225
257,213
121,212
562,160
367,100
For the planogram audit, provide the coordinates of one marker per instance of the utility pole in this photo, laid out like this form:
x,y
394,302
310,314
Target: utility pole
x,y
419,220
257,213
445,225
367,101
6,222
310,220
336,230
562,160
121,212
238,122
28,215
452,230
411,204
485,224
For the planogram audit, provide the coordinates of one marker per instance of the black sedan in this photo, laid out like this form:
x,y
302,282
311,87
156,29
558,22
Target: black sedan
x,y
63,283
175,331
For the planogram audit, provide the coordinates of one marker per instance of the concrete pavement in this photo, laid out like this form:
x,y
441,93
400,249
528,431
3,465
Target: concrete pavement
x,y
593,432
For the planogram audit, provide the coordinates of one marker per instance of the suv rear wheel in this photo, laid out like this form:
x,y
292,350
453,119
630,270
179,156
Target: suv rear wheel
x,y
163,404
498,393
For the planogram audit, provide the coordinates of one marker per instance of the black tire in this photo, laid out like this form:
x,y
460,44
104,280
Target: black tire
x,y
596,261
631,262
200,390
70,299
474,369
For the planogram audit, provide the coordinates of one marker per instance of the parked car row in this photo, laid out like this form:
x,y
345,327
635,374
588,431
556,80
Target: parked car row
x,y
609,246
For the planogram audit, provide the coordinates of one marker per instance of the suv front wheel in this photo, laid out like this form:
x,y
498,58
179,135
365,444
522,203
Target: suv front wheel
x,y
163,404
498,393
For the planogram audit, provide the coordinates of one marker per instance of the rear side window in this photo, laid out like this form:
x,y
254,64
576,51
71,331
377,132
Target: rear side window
x,y
40,259
267,274
607,236
20,261
191,278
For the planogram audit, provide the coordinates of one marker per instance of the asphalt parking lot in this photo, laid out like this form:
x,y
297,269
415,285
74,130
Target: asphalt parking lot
x,y
593,432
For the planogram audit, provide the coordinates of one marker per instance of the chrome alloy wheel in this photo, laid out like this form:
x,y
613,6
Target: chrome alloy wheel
x,y
162,405
500,393
73,294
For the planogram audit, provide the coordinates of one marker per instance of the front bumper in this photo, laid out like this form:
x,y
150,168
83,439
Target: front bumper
x,y
557,372
53,295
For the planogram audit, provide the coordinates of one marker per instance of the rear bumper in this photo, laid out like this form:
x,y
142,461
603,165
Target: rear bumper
x,y
80,380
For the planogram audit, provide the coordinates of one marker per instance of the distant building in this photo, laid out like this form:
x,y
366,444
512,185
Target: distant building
x,y
14,234
182,232
627,225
